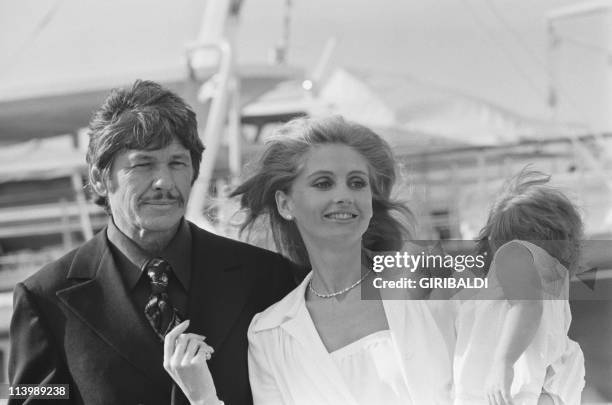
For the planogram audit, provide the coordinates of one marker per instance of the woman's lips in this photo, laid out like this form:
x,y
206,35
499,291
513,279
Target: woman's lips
x,y
341,215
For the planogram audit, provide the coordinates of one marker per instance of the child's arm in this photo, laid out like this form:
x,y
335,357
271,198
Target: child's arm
x,y
522,287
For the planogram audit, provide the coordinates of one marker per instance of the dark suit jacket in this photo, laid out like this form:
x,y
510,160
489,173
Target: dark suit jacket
x,y
74,323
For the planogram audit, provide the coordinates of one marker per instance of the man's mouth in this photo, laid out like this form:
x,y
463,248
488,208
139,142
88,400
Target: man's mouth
x,y
161,202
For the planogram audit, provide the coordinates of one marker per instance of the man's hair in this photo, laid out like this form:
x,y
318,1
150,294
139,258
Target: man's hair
x,y
144,116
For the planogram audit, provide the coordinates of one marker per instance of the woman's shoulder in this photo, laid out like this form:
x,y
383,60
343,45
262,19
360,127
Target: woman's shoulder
x,y
280,312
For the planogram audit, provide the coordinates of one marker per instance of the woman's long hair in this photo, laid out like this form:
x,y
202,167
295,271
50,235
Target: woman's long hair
x,y
281,163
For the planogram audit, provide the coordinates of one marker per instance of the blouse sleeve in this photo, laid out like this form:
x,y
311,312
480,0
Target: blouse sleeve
x,y
263,384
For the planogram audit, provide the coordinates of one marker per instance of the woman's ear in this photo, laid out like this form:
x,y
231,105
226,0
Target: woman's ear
x,y
97,181
284,205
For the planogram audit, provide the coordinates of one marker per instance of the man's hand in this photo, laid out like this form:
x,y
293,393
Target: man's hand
x,y
498,384
185,356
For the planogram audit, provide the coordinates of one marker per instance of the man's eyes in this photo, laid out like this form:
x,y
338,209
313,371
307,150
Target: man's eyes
x,y
144,165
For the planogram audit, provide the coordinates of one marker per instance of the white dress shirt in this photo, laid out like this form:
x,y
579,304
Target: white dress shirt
x,y
288,363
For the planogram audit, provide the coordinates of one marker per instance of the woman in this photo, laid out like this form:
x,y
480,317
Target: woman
x,y
329,202
325,185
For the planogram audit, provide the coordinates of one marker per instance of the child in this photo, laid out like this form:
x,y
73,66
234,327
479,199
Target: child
x,y
512,344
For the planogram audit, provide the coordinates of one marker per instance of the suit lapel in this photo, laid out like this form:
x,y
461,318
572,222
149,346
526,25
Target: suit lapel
x,y
217,294
103,304
219,287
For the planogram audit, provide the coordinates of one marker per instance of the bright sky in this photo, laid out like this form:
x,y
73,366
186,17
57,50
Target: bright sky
x,y
491,49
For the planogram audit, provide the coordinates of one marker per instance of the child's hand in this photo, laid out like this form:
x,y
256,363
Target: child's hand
x,y
498,384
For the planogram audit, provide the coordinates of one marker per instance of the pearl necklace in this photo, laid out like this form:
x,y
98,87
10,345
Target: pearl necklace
x,y
347,289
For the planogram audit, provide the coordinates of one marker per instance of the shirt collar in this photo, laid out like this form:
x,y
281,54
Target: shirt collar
x,y
177,253
286,310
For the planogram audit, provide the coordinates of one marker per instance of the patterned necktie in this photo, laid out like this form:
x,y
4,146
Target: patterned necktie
x,y
158,310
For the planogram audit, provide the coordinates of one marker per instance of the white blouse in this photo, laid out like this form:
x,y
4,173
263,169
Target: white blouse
x,y
290,365
371,370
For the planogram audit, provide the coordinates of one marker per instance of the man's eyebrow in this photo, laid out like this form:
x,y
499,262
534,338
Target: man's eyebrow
x,y
143,155
140,156
181,155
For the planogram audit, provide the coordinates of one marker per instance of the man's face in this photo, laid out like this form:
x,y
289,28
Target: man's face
x,y
147,190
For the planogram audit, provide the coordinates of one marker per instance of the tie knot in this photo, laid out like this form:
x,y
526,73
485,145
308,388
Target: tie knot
x,y
158,270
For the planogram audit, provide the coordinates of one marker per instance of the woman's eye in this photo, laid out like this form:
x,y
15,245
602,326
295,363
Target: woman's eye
x,y
141,165
358,183
322,184
178,164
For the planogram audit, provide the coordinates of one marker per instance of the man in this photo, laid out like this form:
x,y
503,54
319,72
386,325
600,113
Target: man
x,y
95,319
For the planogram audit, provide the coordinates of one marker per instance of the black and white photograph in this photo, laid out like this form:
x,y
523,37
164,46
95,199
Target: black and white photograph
x,y
296,202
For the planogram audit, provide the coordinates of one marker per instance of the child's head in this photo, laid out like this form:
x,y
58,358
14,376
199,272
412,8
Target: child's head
x,y
529,209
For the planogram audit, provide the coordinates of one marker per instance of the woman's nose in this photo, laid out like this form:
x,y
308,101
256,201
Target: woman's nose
x,y
344,195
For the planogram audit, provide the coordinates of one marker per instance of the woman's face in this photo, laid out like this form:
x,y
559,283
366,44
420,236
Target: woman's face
x,y
331,199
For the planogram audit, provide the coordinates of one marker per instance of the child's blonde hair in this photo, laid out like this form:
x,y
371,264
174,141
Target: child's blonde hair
x,y
529,209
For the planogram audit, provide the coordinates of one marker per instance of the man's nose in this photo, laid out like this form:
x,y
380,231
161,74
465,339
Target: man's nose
x,y
163,179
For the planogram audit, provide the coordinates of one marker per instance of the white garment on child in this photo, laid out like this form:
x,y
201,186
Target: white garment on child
x,y
371,370
552,361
